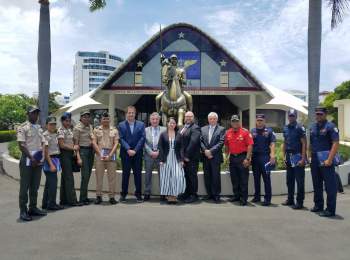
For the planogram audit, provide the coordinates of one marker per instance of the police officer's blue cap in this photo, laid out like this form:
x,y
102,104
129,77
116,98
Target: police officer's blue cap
x,y
260,116
321,110
67,114
31,109
51,120
292,112
235,118
105,114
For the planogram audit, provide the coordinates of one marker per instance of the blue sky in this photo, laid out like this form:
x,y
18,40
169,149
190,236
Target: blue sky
x,y
268,36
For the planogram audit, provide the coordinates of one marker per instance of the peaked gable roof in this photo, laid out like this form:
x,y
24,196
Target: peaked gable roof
x,y
170,34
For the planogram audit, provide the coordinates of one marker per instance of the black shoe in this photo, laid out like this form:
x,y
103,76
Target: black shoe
x,y
191,199
23,215
122,199
266,203
288,203
139,199
86,201
36,212
234,199
113,201
316,209
76,204
208,197
243,203
326,214
298,206
44,206
147,197
162,198
255,200
64,203
55,207
217,200
183,197
98,200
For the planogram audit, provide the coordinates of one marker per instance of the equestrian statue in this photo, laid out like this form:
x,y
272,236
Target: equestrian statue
x,y
174,101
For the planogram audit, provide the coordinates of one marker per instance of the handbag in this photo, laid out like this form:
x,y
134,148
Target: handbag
x,y
75,166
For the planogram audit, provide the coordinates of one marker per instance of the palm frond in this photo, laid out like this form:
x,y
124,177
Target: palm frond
x,y
97,4
338,9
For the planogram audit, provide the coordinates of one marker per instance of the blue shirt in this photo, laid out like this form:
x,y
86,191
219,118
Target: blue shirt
x,y
293,133
262,137
131,125
322,136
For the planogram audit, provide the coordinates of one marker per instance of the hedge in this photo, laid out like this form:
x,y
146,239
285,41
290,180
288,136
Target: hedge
x,y
343,150
7,135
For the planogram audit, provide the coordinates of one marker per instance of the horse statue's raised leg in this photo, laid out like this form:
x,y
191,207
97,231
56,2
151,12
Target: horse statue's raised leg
x,y
164,119
181,114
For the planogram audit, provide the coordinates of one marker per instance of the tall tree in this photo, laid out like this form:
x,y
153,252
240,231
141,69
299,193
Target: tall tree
x,y
314,45
44,59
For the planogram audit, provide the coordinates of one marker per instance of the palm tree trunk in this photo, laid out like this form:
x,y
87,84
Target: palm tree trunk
x,y
44,60
314,55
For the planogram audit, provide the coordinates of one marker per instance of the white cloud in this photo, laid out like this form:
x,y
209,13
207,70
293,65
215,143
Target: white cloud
x,y
272,42
152,29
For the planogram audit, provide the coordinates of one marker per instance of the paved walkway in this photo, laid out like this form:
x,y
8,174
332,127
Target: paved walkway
x,y
153,231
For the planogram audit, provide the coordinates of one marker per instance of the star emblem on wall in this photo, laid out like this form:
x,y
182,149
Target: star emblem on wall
x,y
181,35
139,64
223,63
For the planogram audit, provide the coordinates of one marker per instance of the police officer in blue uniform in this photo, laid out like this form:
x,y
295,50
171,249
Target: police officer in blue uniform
x,y
263,152
324,137
294,150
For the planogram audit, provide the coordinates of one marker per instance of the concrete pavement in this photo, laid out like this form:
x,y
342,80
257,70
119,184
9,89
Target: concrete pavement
x,y
154,231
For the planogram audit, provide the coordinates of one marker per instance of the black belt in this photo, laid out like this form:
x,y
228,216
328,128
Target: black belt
x,y
85,147
54,155
238,154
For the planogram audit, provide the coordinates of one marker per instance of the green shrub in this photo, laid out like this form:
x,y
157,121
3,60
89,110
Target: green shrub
x,y
7,135
14,150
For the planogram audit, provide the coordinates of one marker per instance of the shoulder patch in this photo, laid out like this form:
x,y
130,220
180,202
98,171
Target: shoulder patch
x,y
336,129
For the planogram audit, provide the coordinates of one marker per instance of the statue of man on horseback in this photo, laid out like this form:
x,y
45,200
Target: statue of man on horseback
x,y
174,101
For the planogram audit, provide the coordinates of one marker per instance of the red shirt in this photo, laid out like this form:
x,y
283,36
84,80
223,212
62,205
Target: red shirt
x,y
238,141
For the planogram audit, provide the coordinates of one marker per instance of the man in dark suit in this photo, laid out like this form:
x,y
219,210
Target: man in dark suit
x,y
132,139
212,141
191,142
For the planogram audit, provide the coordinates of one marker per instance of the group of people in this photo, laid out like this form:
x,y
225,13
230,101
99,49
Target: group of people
x,y
175,154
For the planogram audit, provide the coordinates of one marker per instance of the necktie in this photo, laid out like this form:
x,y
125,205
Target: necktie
x,y
183,130
211,129
154,138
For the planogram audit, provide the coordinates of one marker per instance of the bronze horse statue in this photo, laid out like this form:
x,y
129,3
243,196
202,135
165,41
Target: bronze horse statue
x,y
173,101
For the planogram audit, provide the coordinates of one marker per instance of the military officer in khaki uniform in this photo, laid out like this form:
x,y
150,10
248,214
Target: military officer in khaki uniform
x,y
30,140
105,141
52,165
66,144
82,133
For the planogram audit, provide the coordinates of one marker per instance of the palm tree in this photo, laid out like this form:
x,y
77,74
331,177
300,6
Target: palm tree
x,y
314,45
44,54
44,59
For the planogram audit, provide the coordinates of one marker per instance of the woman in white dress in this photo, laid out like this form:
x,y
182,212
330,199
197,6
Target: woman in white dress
x,y
172,176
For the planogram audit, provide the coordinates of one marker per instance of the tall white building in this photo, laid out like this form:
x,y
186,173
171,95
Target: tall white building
x,y
91,69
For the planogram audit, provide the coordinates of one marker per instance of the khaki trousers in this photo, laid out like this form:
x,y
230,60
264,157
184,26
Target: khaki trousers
x,y
101,166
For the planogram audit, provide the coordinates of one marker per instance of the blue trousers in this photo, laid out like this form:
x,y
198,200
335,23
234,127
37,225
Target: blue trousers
x,y
296,174
327,176
258,165
134,163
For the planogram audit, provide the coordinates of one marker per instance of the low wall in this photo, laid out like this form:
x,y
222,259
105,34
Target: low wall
x,y
278,179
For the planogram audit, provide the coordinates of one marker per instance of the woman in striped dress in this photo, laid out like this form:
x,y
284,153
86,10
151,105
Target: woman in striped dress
x,y
172,176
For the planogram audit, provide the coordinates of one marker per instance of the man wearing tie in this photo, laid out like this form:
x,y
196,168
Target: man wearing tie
x,y
132,139
151,152
212,141
191,142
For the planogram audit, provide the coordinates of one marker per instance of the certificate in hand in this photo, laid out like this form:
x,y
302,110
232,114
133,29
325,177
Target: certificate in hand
x,y
38,156
269,167
323,155
105,152
295,159
55,161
